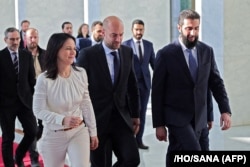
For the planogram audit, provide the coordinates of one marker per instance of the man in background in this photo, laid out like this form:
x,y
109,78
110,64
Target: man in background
x,y
67,27
144,56
32,37
96,32
95,38
24,26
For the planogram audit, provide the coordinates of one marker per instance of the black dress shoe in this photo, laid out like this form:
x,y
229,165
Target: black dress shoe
x,y
35,163
19,164
142,146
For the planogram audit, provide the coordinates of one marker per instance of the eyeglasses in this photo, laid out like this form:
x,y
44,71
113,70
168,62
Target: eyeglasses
x,y
14,39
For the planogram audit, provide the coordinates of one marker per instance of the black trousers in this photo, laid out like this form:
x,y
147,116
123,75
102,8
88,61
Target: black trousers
x,y
121,140
144,96
8,115
204,139
182,139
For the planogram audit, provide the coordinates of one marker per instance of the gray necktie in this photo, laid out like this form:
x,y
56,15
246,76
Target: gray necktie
x,y
192,65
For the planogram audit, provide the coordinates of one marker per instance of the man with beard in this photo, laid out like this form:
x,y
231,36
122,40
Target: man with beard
x,y
96,32
32,38
184,70
144,56
95,38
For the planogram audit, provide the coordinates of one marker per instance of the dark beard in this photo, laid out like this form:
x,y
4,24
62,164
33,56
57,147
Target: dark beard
x,y
188,43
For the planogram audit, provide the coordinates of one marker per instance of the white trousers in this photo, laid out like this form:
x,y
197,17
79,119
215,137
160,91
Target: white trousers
x,y
53,147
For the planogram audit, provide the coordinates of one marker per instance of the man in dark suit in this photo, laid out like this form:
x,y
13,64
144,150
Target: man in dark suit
x,y
24,26
17,86
184,70
204,136
95,38
112,82
143,57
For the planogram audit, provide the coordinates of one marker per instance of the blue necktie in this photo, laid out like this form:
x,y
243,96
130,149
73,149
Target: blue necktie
x,y
192,65
116,66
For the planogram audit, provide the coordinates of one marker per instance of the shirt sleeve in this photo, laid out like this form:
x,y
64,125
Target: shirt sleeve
x,y
87,108
40,105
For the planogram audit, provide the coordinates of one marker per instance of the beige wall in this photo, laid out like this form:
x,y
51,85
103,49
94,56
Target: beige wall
x,y
237,58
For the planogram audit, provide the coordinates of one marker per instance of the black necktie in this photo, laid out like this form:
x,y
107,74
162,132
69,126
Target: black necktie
x,y
192,65
140,51
116,66
15,62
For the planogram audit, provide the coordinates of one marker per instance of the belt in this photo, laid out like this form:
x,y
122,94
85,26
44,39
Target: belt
x,y
66,129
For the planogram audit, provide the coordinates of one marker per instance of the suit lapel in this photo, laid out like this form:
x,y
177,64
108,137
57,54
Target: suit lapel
x,y
180,55
8,62
200,60
134,47
123,65
146,51
21,61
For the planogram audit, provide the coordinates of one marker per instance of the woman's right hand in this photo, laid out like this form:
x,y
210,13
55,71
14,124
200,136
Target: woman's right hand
x,y
94,142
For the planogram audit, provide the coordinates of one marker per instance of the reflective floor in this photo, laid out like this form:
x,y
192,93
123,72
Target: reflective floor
x,y
236,138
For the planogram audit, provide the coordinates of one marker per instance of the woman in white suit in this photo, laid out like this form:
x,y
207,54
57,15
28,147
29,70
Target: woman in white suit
x,y
62,102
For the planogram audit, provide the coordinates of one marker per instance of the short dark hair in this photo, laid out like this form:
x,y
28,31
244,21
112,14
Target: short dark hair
x,y
66,22
10,29
187,14
96,23
55,43
137,21
25,21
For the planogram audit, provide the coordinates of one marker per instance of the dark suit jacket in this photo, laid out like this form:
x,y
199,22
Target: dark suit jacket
x,y
82,43
11,89
21,46
103,94
175,97
210,113
41,56
142,69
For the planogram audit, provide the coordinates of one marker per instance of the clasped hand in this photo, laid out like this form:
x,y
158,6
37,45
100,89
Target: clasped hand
x,y
72,121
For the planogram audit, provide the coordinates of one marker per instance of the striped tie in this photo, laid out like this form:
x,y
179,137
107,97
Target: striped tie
x,y
15,62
